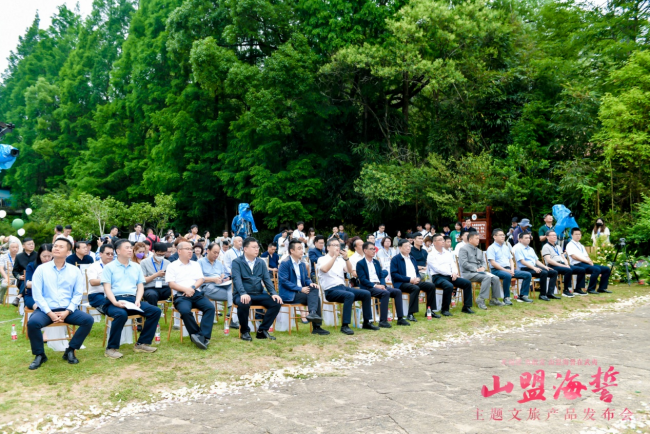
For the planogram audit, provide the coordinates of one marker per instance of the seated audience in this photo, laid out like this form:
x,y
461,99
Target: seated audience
x,y
578,257
296,287
502,266
185,278
81,256
217,284
44,256
154,270
124,282
461,243
233,253
139,252
555,259
193,235
96,297
316,252
23,259
198,250
418,252
405,275
444,275
473,267
57,288
331,276
137,236
274,258
373,279
250,278
527,260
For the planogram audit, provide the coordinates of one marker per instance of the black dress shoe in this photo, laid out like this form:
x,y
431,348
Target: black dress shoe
x,y
246,336
38,361
369,326
384,324
553,297
411,318
446,313
347,330
313,316
592,292
319,331
545,298
604,291
16,302
435,315
69,356
264,334
467,310
234,325
403,322
199,341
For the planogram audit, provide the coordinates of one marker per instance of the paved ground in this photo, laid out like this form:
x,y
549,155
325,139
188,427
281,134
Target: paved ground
x,y
438,392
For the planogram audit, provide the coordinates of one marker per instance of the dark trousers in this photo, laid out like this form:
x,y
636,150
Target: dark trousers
x,y
414,294
39,320
154,295
272,310
595,271
184,306
311,300
384,295
29,301
447,285
347,296
544,289
120,315
98,301
568,273
506,278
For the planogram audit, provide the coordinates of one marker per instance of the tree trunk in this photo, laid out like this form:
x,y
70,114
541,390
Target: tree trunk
x,y
405,103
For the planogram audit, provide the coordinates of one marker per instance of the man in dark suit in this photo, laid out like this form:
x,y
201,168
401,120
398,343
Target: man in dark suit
x,y
249,279
406,277
296,288
316,252
372,278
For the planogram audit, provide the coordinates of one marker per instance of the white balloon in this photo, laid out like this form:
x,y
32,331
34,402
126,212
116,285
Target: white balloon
x,y
21,232
3,214
28,211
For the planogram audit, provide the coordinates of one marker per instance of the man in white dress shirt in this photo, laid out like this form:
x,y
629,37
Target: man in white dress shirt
x,y
579,257
441,265
232,254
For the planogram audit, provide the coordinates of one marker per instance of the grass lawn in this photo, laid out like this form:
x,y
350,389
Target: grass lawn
x,y
57,387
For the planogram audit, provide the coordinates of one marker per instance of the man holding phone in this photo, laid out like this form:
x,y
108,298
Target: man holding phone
x,y
154,269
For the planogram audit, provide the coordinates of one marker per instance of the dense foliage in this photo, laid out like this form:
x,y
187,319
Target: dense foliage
x,y
348,110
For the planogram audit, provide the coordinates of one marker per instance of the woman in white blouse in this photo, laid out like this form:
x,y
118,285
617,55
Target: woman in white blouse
x,y
600,233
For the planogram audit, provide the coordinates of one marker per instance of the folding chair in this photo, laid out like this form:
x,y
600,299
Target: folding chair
x,y
332,304
134,326
171,323
296,315
251,317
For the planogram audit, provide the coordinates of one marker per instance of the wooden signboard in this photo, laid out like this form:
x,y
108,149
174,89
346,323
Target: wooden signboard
x,y
481,221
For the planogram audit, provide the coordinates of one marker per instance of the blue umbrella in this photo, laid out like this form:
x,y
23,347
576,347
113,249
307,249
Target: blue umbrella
x,y
565,221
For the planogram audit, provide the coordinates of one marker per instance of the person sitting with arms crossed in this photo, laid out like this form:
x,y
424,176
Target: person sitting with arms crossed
x,y
296,287
473,267
405,275
442,267
502,265
124,282
249,279
96,297
185,278
217,285
528,261
57,288
578,257
373,279
552,253
331,276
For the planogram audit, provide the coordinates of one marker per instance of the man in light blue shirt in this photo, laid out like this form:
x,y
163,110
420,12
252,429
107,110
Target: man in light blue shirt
x,y
217,284
123,282
57,288
501,265
527,260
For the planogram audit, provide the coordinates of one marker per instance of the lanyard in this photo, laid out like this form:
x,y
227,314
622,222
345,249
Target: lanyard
x,y
237,253
10,260
582,249
154,265
556,252
102,265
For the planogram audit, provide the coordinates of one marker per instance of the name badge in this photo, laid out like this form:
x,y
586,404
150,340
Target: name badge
x,y
159,283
